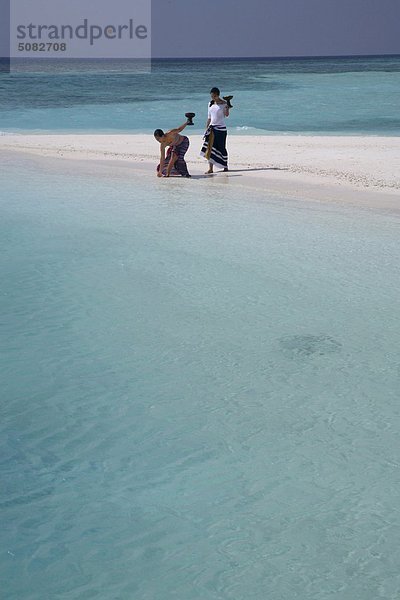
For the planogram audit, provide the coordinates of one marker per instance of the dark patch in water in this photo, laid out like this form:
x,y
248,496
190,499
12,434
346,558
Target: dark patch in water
x,y
303,346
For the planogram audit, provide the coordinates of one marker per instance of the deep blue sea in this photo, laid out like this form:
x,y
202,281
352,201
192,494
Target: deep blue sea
x,y
313,96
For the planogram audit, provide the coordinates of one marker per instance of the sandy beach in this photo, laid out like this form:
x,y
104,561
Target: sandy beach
x,y
316,167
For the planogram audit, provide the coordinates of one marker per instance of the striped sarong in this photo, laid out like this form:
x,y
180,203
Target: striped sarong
x,y
214,146
180,166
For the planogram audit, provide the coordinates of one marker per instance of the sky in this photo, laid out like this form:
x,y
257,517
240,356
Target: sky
x,y
268,28
193,28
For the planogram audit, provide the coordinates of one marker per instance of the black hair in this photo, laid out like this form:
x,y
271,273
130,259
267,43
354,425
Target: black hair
x,y
158,133
214,90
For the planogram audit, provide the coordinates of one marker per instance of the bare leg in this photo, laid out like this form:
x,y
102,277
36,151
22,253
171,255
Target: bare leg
x,y
210,168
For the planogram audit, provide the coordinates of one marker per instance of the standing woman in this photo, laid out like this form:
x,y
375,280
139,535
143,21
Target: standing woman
x,y
214,146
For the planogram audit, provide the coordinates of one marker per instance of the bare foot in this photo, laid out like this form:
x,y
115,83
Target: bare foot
x,y
226,169
209,172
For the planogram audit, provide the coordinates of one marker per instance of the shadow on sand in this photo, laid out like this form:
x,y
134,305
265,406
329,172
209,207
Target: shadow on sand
x,y
210,175
255,169
229,173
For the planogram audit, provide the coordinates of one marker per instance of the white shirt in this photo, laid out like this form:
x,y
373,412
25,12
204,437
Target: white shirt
x,y
216,113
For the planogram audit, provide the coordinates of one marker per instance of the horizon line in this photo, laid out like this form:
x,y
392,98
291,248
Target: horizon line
x,y
305,56
228,58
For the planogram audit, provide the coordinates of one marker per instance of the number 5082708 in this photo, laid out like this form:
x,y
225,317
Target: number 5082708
x,y
42,47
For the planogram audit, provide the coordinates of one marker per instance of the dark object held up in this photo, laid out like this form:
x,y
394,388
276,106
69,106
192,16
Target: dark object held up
x,y
228,99
189,117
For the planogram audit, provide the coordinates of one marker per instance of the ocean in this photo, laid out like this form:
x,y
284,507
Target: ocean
x,y
199,383
200,390
301,96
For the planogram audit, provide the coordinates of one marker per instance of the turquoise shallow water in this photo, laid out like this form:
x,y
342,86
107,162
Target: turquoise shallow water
x,y
199,392
314,96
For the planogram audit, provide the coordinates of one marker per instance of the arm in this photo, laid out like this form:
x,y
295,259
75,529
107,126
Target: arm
x,y
171,163
178,129
209,118
162,161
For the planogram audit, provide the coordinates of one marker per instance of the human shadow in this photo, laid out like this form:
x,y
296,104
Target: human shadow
x,y
229,173
255,169
209,175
